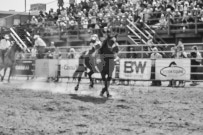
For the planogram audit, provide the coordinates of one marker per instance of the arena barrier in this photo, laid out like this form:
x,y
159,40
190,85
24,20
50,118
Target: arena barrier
x,y
137,69
24,68
126,69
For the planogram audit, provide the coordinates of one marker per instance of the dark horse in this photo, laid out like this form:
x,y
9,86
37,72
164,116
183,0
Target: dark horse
x,y
104,64
9,60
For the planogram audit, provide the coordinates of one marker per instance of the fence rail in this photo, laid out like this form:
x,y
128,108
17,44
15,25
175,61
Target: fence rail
x,y
125,69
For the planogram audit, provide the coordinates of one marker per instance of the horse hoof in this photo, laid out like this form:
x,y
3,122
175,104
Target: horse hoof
x,y
109,96
101,94
76,88
91,86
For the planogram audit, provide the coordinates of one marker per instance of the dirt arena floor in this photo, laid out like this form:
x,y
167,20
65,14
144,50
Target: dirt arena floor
x,y
36,108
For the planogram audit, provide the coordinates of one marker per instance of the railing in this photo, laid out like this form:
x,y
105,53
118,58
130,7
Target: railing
x,y
143,35
124,50
154,33
198,73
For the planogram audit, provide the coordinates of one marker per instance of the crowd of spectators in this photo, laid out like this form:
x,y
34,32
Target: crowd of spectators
x,y
102,13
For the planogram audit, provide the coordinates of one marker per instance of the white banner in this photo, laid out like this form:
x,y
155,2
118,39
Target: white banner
x,y
177,69
68,67
138,69
46,67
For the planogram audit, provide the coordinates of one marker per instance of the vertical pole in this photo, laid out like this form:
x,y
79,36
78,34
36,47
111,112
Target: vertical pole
x,y
196,25
25,5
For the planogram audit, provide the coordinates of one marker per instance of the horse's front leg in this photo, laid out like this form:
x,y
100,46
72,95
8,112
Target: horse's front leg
x,y
91,80
105,84
108,80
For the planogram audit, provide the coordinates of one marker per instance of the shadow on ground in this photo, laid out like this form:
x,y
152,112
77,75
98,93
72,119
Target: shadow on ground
x,y
87,98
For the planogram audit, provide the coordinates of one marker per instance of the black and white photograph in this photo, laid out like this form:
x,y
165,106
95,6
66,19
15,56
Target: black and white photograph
x,y
101,67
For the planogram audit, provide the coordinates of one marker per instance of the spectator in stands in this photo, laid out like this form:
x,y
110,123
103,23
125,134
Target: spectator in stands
x,y
34,21
181,54
4,46
162,23
33,53
57,53
150,43
131,53
71,53
180,43
40,45
84,22
195,61
155,55
174,51
139,22
190,20
176,16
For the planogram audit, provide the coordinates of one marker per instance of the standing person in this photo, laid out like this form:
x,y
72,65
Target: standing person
x,y
40,45
131,53
181,54
71,53
33,53
60,4
180,43
150,43
195,62
155,55
4,46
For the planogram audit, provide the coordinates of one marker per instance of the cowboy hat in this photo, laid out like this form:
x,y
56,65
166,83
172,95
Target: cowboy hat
x,y
72,50
6,36
154,49
94,36
36,36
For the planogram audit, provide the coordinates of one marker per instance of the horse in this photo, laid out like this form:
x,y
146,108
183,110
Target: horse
x,y
104,64
9,60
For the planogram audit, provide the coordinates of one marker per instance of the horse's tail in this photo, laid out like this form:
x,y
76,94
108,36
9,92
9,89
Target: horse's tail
x,y
81,67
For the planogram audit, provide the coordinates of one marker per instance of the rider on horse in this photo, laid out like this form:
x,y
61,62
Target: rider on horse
x,y
95,44
4,46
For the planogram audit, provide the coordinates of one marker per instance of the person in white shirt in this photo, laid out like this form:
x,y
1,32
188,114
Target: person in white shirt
x,y
155,55
95,44
40,45
4,46
195,62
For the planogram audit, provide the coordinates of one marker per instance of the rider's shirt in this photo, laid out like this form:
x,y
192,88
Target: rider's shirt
x,y
4,44
96,45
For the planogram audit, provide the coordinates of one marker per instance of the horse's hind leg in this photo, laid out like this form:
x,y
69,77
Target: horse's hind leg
x,y
77,86
104,80
10,73
2,78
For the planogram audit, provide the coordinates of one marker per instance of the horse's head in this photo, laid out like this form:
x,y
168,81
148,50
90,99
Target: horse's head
x,y
110,43
111,39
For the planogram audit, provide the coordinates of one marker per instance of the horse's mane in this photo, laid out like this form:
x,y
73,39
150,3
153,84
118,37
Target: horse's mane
x,y
104,44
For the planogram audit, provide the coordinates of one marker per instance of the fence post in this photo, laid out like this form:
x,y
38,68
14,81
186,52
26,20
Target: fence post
x,y
169,25
195,24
